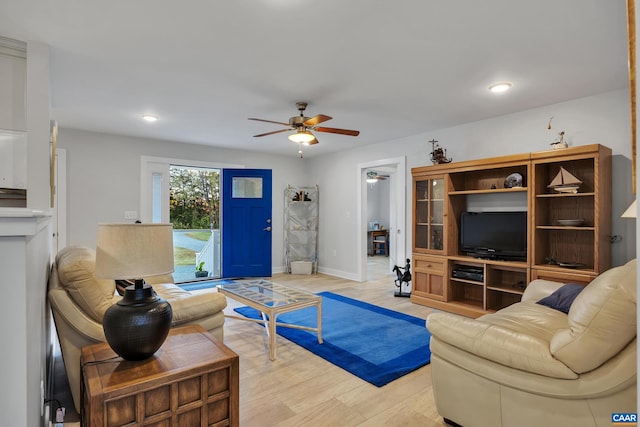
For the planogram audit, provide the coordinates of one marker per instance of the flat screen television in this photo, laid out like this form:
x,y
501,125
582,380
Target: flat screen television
x,y
494,235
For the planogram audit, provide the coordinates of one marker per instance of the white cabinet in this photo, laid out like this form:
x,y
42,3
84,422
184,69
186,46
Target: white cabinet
x,y
13,159
13,116
13,85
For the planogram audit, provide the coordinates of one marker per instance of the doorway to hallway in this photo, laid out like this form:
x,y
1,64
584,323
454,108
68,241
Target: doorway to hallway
x,y
394,170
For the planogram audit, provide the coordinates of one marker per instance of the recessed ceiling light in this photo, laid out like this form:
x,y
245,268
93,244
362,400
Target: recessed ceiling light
x,y
500,87
149,117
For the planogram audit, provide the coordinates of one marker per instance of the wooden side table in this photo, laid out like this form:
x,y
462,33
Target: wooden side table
x,y
379,240
192,380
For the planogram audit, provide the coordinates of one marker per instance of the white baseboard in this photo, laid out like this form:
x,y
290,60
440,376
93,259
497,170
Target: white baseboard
x,y
339,273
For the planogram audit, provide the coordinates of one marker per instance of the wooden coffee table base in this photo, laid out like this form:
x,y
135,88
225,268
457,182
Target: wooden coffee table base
x,y
271,300
270,327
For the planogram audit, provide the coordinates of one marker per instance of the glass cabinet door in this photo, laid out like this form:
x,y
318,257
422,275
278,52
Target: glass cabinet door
x,y
429,214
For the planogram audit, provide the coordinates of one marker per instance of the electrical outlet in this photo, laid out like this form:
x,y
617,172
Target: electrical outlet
x,y
60,412
130,214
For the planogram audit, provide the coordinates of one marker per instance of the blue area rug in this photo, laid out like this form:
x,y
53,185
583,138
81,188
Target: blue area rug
x,y
196,286
374,343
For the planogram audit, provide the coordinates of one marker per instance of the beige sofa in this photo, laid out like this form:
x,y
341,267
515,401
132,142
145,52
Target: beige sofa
x,y
532,365
78,301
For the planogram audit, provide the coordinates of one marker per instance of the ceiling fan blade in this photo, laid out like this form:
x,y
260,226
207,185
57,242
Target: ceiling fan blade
x,y
317,120
340,131
269,121
313,141
271,133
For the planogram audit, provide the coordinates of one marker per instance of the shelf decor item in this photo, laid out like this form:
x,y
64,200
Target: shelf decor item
x,y
565,182
438,154
513,181
137,325
560,143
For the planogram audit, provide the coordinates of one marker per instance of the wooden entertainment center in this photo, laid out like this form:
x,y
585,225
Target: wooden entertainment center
x,y
568,233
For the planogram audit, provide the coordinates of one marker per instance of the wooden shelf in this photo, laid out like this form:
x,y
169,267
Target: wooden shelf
x,y
467,186
564,227
506,290
555,195
468,302
496,262
471,282
489,191
555,267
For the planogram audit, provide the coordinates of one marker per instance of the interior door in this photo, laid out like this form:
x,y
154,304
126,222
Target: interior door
x,y
246,223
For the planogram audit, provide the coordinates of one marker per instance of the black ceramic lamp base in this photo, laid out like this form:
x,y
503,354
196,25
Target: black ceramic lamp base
x,y
138,324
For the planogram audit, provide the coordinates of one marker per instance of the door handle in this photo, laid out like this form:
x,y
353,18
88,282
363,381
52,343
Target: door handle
x,y
267,229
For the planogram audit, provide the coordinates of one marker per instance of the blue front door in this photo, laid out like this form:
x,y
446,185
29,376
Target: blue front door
x,y
246,223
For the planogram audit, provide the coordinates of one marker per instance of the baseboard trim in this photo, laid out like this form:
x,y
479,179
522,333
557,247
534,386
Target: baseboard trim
x,y
339,273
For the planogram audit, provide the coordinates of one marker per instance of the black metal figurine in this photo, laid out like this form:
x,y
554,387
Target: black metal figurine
x,y
403,277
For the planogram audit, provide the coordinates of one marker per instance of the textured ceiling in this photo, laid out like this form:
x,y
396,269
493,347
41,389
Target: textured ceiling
x,y
388,69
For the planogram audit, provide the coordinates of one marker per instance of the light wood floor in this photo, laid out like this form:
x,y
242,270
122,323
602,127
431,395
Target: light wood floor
x,y
301,389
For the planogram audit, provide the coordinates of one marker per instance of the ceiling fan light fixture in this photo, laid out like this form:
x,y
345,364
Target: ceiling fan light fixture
x,y
302,136
372,177
149,118
500,87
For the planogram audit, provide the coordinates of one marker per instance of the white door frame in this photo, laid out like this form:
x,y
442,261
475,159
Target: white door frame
x,y
397,217
150,165
60,201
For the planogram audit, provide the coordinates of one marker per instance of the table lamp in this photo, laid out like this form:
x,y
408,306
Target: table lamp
x,y
137,325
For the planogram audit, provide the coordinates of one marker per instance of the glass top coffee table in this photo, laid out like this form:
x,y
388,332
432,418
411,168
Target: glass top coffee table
x,y
272,299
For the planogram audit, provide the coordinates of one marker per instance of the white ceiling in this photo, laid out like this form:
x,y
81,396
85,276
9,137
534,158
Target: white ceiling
x,y
388,69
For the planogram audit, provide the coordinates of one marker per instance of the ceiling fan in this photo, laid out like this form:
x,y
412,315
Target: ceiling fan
x,y
373,176
304,125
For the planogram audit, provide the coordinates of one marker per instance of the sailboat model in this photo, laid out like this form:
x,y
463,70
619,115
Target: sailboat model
x,y
565,182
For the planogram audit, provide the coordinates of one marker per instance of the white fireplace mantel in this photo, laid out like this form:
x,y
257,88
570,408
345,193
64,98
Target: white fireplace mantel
x,y
22,221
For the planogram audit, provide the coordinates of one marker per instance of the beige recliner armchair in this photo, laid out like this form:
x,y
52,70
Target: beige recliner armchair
x,y
532,365
78,301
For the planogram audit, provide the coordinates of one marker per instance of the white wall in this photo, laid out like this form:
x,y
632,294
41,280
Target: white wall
x,y
602,119
103,174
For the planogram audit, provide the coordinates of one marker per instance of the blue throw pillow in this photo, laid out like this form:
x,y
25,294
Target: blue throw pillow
x,y
562,298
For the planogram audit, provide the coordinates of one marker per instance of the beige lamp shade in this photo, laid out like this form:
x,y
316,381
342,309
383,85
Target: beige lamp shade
x,y
631,211
134,251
